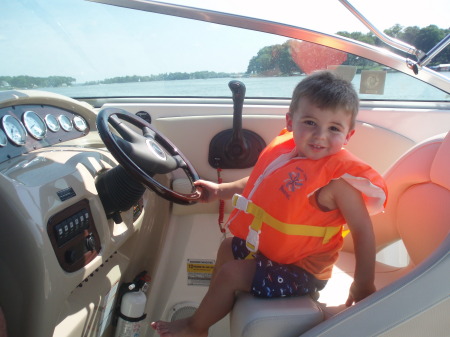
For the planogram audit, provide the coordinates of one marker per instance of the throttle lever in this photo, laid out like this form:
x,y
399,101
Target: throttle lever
x,y
236,147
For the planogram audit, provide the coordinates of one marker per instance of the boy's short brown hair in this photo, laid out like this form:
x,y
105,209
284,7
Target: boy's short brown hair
x,y
327,91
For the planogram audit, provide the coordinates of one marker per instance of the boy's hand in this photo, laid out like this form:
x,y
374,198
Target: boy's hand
x,y
213,191
209,190
358,292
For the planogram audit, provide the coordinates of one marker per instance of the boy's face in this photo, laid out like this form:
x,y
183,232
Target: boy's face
x,y
318,133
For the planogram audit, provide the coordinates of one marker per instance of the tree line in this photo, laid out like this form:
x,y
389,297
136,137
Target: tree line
x,y
30,82
164,77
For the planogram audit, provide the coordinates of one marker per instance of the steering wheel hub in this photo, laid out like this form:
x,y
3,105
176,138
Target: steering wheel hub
x,y
156,149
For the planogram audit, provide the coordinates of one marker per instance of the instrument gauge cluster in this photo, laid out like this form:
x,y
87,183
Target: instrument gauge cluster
x,y
34,125
52,123
14,130
65,122
80,123
24,128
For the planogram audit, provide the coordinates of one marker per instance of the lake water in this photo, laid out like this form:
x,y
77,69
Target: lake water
x,y
398,86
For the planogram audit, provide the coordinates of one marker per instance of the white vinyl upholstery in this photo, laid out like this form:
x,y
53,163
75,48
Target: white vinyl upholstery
x,y
417,212
279,317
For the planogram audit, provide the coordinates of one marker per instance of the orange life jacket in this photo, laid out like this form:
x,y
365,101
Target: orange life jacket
x,y
278,217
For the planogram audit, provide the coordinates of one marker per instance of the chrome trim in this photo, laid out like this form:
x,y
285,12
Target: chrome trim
x,y
398,44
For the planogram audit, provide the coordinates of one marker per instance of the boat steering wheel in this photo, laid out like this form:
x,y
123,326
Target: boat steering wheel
x,y
146,153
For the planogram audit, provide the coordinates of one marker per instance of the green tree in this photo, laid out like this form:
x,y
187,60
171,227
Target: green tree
x,y
286,64
262,61
409,35
367,38
394,31
276,59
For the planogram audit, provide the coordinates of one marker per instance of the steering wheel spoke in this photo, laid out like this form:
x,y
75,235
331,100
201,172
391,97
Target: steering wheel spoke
x,y
123,130
148,133
145,152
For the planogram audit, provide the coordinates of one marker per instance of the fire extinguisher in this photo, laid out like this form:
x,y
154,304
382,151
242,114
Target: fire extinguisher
x,y
130,307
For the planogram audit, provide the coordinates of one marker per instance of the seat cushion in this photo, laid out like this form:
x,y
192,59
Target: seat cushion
x,y
275,317
284,317
333,297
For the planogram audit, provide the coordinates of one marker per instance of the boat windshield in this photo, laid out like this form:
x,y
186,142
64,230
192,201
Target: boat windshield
x,y
86,49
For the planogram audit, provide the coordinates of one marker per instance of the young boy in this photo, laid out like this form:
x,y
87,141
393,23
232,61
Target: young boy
x,y
287,224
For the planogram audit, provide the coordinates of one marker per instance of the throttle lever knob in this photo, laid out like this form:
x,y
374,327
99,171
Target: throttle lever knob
x,y
236,147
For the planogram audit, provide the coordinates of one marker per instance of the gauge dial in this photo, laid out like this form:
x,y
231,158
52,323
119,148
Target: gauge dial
x,y
34,125
65,122
52,123
3,139
14,130
80,123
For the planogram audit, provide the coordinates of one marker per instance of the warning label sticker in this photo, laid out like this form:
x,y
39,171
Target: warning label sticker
x,y
199,271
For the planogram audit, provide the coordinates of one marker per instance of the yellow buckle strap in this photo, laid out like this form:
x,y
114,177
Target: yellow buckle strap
x,y
261,216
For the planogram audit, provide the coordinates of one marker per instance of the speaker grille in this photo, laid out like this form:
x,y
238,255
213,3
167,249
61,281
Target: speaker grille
x,y
182,310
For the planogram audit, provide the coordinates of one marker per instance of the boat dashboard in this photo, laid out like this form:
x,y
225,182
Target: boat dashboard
x,y
53,223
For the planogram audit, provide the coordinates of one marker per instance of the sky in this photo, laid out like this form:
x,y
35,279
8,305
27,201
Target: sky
x,y
42,37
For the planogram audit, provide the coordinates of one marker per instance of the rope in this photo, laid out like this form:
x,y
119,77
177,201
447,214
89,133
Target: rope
x,y
221,205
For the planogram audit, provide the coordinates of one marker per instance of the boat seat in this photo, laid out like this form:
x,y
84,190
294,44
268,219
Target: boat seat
x,y
417,213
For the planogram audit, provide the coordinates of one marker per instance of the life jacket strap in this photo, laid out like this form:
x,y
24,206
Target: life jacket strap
x,y
260,216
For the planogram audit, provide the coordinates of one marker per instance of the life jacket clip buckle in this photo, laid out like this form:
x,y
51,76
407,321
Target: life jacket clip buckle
x,y
241,202
252,240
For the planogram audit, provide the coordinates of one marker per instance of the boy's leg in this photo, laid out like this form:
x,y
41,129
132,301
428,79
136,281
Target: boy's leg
x,y
224,255
236,275
229,276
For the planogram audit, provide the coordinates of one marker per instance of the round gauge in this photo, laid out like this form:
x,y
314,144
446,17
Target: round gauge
x,y
65,123
14,130
80,123
34,125
3,139
52,123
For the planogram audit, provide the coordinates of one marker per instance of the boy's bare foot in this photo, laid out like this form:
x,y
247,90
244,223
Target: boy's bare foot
x,y
180,328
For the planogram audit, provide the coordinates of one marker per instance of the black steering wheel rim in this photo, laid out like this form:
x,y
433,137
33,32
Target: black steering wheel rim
x,y
114,116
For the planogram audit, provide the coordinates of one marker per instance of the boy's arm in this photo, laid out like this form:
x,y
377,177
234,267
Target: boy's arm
x,y
351,204
212,191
